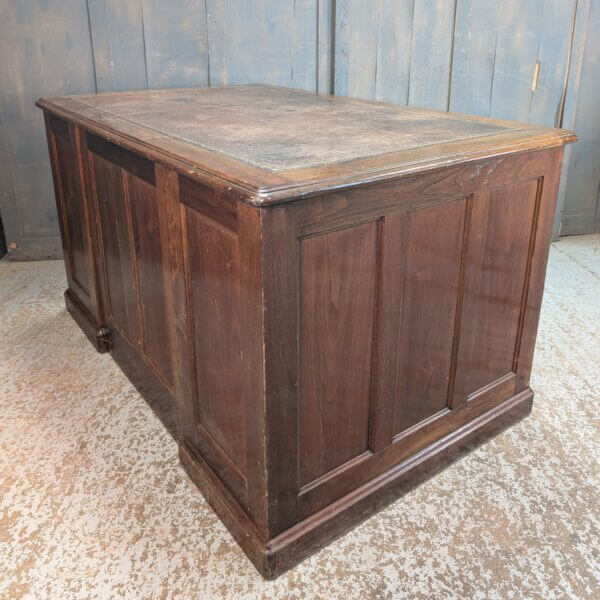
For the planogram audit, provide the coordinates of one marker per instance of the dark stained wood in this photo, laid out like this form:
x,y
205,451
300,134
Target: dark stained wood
x,y
170,125
213,259
217,206
145,227
328,335
280,284
117,246
496,284
431,267
134,164
338,276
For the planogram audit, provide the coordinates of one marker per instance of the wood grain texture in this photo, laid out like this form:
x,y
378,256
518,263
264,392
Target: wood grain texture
x,y
286,53
356,34
33,36
517,48
338,273
473,56
372,47
581,212
394,51
145,227
117,41
432,267
176,43
117,247
230,148
317,353
553,55
496,282
570,101
213,259
431,54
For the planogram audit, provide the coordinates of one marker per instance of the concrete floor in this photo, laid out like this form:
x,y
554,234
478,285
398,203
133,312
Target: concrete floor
x,y
94,504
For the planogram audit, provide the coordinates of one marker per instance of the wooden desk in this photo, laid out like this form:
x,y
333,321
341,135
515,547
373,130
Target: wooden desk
x,y
326,300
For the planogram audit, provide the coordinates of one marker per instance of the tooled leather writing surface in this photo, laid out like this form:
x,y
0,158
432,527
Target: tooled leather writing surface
x,y
273,144
277,129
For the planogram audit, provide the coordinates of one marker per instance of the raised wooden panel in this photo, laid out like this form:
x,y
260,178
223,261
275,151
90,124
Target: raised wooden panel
x,y
432,265
495,288
338,284
213,264
150,271
117,245
73,209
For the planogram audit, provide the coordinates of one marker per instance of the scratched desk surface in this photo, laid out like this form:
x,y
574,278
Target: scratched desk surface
x,y
278,136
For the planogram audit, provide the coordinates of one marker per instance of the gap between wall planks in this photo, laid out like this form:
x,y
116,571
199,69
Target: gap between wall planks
x,y
473,56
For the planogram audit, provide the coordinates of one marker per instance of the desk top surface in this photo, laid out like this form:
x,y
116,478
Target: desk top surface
x,y
267,139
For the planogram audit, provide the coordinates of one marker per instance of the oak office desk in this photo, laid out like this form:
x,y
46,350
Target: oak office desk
x,y
335,297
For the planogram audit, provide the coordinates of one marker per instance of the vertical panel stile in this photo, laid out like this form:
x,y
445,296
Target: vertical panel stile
x,y
460,297
390,276
280,277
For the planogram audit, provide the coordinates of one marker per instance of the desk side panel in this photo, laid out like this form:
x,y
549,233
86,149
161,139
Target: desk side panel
x,y
77,224
398,313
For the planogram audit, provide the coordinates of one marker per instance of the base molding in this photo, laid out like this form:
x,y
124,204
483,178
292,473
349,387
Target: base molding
x,y
275,556
154,392
86,321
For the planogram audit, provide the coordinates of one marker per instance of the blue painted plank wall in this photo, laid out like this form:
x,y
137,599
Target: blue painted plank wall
x,y
472,56
34,36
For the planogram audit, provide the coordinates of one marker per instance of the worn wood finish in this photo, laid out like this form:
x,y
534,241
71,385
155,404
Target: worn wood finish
x,y
325,336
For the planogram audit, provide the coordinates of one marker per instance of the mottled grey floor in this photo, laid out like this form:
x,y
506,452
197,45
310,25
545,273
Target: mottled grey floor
x,y
94,504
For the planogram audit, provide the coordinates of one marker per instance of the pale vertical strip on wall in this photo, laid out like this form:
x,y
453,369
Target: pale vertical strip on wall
x,y
571,97
117,34
517,47
431,53
394,41
474,56
356,34
553,54
176,43
44,50
263,42
325,45
581,210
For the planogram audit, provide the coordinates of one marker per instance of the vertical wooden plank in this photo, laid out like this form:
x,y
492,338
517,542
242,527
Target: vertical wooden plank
x,y
390,274
338,273
571,97
429,301
473,56
117,31
431,54
176,43
263,42
516,54
253,362
280,297
583,176
532,300
44,50
553,54
496,279
394,51
325,45
303,49
356,31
